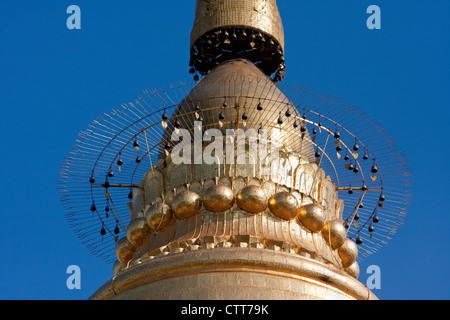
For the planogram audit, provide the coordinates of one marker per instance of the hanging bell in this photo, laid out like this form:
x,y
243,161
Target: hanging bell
x,y
382,198
317,154
116,229
110,174
370,229
280,120
177,124
120,162
288,113
260,130
244,116
103,231
92,179
359,240
130,195
337,135
374,169
365,157
355,147
356,217
259,107
295,124
93,207
221,116
314,131
375,219
136,145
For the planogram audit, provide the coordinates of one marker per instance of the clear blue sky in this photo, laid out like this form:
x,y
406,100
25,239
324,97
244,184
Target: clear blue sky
x,y
54,81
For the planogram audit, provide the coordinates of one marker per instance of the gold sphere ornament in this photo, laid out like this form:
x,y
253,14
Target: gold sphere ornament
x,y
218,198
334,233
158,216
252,199
312,216
186,204
117,267
138,231
124,250
353,270
348,253
284,205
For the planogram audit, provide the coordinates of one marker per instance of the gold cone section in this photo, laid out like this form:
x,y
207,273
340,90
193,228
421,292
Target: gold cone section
x,y
259,14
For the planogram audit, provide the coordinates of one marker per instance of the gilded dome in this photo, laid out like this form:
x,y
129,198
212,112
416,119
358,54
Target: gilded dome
x,y
238,95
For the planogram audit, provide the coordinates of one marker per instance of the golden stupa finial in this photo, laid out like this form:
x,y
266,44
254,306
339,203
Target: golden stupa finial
x,y
229,29
262,199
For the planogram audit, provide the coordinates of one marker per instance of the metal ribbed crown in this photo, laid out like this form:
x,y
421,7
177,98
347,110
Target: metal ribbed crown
x,y
229,29
262,15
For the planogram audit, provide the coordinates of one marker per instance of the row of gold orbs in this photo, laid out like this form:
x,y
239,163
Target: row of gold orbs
x,y
155,218
252,199
285,206
312,216
186,204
